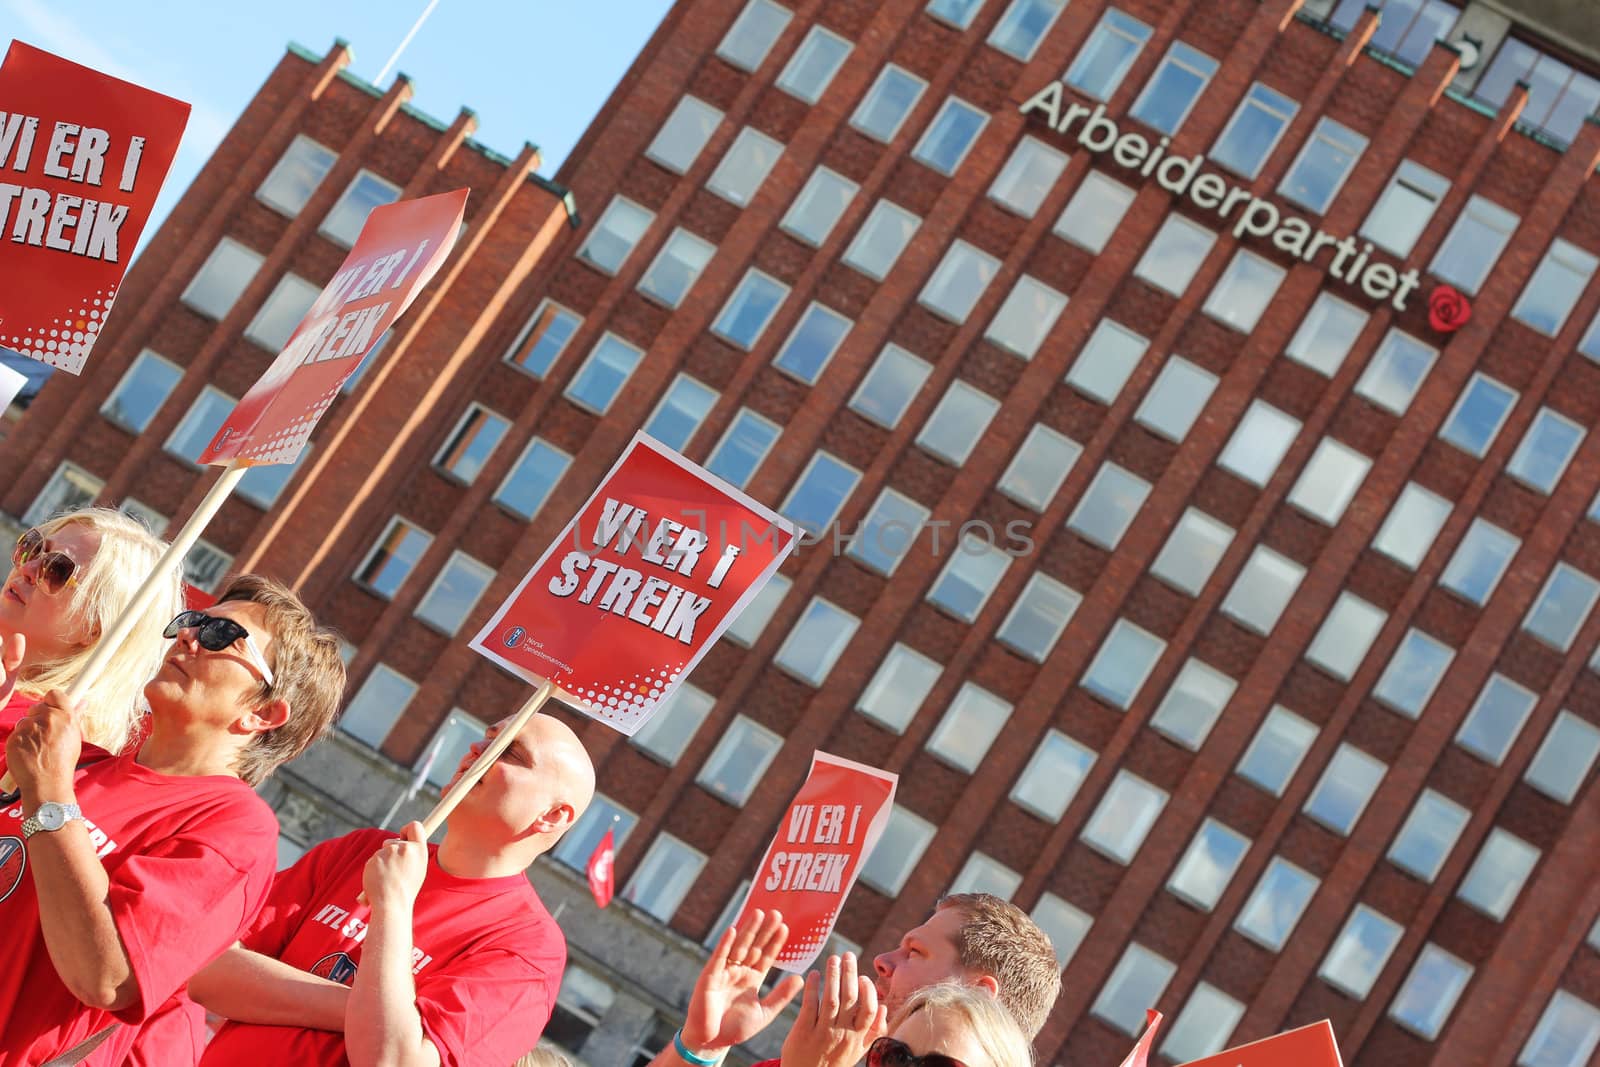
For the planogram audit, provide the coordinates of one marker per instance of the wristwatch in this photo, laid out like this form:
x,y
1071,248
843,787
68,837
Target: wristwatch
x,y
50,816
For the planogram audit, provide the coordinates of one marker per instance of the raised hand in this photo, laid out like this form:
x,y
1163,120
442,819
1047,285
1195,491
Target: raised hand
x,y
839,1019
396,871
726,1007
42,752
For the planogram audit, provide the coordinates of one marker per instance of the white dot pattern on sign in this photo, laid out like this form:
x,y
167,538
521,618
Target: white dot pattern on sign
x,y
628,702
65,342
809,941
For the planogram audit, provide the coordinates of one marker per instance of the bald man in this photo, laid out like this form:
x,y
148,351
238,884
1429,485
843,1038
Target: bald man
x,y
450,958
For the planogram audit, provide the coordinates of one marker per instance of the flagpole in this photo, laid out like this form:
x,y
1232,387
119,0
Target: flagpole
x,y
486,758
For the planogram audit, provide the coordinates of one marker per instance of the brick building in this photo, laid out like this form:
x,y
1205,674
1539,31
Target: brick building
x,y
1313,737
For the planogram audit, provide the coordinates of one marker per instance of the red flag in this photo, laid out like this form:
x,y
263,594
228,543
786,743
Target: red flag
x,y
601,865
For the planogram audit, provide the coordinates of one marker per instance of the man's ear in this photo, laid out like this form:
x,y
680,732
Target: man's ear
x,y
556,819
988,983
268,716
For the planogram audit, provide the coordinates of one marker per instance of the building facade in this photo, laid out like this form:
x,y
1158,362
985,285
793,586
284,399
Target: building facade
x,y
1234,367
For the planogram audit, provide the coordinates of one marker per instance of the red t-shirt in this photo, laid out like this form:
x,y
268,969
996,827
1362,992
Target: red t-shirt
x,y
190,861
16,708
488,958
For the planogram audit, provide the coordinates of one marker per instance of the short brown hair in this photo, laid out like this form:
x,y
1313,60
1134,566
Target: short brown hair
x,y
998,939
308,675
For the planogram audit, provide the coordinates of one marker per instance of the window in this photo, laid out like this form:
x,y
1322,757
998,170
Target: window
x,y
1094,212
1040,615
1192,551
676,268
1473,245
1039,467
887,103
530,480
960,419
1428,835
390,561
744,445
743,755
1173,89
817,641
814,64
1176,399
1360,952
1065,925
144,387
577,845
346,218
1413,523
1564,760
471,443
975,568
747,626
1407,28
1193,703
881,239
1109,357
1138,981
583,999
1478,415
974,719
199,425
1496,718
1253,131
1545,450
206,565
1329,481
149,517
543,338
1558,96
454,593
1263,589
222,278
1109,506
1026,317
889,387
1560,279
603,374
615,233
261,484
664,877
679,141
1341,794
1125,815
455,737
1028,176
1429,993
1204,1025
1053,776
898,687
820,492
659,1036
1275,906
1326,334
1176,252
983,874
1396,372
1244,291
277,318
1326,160
1563,605
668,732
888,531
1024,25
1405,208
958,281
749,309
1497,875
1276,750
745,166
682,409
1413,673
817,208
377,705
1104,59
1208,864
296,175
1566,1036
948,137
1345,635
812,343
959,13
752,34
899,850
1124,661
1480,560
730,912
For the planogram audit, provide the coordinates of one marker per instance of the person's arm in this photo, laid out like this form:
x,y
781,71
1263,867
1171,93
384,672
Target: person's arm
x,y
249,987
382,1025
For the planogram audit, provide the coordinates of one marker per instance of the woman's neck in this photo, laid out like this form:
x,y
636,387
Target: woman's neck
x,y
172,749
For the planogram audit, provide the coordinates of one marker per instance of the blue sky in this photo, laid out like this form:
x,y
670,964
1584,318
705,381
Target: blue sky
x,y
533,70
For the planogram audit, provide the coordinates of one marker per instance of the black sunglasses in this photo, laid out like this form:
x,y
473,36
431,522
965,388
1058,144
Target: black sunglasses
x,y
214,633
887,1052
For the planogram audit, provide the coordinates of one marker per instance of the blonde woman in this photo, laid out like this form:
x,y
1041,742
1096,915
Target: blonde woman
x,y
71,577
952,1025
543,1056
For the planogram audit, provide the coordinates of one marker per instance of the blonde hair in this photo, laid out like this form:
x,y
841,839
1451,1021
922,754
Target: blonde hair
x,y
127,554
990,1024
543,1056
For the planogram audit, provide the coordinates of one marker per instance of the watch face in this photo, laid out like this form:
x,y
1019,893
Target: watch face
x,y
52,816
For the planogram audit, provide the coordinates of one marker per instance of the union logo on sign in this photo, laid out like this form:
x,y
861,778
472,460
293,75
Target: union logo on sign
x,y
335,967
13,861
515,635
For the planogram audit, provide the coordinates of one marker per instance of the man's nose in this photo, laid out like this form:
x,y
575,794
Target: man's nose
x,y
883,964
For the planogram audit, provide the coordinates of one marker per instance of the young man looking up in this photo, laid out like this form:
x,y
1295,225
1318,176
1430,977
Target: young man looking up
x,y
450,958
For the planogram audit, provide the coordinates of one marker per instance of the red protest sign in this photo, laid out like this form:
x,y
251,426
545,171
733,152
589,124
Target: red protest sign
x,y
1309,1046
1139,1055
642,581
400,248
83,156
811,865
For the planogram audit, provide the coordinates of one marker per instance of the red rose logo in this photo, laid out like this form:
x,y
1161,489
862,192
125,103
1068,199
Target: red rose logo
x,y
1448,310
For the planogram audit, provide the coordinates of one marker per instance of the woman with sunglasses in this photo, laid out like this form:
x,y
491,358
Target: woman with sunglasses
x,y
952,1025
71,577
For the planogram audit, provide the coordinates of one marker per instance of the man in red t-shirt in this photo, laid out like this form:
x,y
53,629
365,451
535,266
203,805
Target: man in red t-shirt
x,y
119,880
450,959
